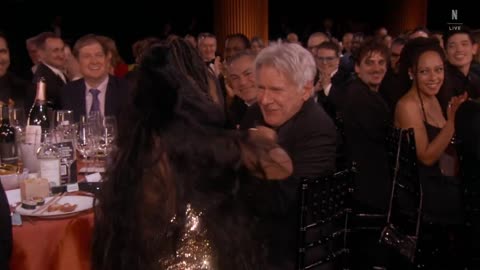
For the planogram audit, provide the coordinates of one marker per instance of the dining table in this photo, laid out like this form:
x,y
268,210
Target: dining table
x,y
52,242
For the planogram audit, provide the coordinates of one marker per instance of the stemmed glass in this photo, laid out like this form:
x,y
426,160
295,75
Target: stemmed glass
x,y
87,140
108,134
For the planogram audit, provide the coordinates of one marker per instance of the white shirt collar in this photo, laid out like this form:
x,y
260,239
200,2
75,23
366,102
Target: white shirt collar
x,y
57,71
102,87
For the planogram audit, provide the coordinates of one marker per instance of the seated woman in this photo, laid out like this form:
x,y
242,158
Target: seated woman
x,y
419,109
170,201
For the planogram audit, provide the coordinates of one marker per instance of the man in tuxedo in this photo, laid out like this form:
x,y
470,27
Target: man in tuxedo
x,y
51,68
97,91
12,88
207,47
284,75
330,92
242,78
460,48
366,117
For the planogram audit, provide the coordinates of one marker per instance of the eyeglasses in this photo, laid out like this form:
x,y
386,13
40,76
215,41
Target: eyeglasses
x,y
326,59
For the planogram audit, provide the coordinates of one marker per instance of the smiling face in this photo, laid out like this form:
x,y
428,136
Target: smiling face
x,y
429,74
93,62
207,46
53,53
279,98
372,69
242,78
460,50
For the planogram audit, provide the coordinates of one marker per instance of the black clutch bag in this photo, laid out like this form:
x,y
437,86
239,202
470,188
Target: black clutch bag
x,y
404,244
391,235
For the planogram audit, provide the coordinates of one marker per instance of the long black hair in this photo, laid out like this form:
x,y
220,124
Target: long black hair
x,y
171,152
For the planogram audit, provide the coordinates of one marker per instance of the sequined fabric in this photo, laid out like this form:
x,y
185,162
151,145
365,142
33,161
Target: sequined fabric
x,y
194,251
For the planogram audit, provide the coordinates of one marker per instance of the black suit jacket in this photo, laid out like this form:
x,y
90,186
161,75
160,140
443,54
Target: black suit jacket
x,y
366,119
236,111
54,86
5,231
12,87
116,97
456,83
309,137
336,97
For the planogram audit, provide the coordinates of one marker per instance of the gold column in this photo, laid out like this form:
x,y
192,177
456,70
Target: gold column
x,y
249,17
407,15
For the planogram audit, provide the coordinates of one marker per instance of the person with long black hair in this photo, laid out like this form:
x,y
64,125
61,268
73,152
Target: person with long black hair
x,y
170,200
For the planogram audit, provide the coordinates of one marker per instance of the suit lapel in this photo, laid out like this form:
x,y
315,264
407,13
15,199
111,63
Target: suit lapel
x,y
110,97
81,94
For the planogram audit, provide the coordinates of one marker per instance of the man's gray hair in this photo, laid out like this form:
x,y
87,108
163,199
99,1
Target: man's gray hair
x,y
294,61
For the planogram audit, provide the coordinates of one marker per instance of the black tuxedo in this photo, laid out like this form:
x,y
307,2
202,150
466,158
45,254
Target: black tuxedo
x,y
116,97
236,111
54,86
366,118
309,137
12,87
336,97
5,231
456,83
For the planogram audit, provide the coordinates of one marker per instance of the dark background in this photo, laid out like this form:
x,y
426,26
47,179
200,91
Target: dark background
x,y
139,19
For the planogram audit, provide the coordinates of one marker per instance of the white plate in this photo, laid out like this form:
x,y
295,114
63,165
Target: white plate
x,y
83,203
13,196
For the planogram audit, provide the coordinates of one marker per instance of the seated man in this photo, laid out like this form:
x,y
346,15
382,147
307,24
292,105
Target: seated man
x,y
330,88
284,75
97,91
242,78
52,56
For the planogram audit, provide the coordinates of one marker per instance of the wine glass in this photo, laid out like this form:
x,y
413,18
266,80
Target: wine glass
x,y
17,121
63,118
108,134
87,138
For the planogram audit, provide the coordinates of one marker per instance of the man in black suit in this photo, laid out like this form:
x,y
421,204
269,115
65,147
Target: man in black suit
x,y
242,78
460,47
285,74
366,117
330,88
467,128
97,91
12,88
52,56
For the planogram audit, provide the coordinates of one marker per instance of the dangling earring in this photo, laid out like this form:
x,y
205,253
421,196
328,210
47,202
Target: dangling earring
x,y
410,76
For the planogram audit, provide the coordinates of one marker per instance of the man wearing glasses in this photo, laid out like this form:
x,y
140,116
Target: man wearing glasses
x,y
331,79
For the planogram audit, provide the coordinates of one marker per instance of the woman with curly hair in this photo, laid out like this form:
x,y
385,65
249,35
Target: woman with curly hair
x,y
171,198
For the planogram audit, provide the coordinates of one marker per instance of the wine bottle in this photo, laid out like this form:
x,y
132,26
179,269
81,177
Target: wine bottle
x,y
48,156
8,148
38,121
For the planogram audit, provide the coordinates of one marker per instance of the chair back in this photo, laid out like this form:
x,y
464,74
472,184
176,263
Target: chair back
x,y
323,219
